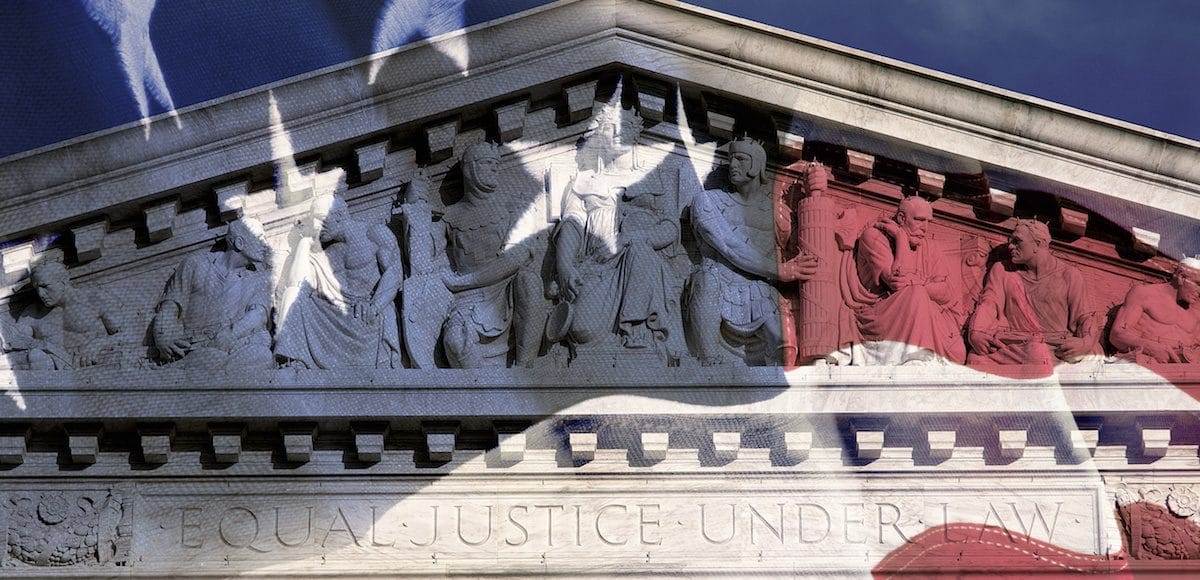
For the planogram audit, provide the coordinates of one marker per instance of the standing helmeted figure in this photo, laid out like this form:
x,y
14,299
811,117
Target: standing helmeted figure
x,y
495,291
735,295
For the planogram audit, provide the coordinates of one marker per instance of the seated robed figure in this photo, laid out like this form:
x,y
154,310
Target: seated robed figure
x,y
1160,323
900,294
612,280
216,310
1034,308
495,290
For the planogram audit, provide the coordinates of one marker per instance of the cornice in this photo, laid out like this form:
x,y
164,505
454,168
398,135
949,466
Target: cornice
x,y
337,106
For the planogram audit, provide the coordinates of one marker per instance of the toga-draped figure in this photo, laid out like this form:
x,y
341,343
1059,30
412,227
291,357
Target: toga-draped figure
x,y
215,312
1034,308
611,277
900,293
340,286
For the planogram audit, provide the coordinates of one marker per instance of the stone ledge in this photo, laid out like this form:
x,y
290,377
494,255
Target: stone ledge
x,y
173,394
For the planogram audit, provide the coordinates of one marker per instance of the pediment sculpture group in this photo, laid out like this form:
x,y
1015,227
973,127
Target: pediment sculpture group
x,y
759,281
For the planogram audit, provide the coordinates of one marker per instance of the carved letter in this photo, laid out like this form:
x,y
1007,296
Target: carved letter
x,y
732,525
184,526
846,519
225,537
988,516
435,531
460,530
349,531
645,522
777,532
946,526
307,530
524,532
375,526
894,523
599,533
828,523
550,521
1037,515
578,525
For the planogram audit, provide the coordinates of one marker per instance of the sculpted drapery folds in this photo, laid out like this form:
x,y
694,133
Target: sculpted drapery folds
x,y
900,293
495,291
1033,309
611,277
215,312
735,295
1160,323
65,328
339,290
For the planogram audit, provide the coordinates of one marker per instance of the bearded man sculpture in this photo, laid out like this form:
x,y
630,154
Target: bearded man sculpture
x,y
900,294
216,310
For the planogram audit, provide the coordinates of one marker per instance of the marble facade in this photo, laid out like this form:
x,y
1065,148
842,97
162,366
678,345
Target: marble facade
x,y
648,290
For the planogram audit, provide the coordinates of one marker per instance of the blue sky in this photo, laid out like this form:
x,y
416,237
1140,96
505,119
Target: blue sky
x,y
1133,61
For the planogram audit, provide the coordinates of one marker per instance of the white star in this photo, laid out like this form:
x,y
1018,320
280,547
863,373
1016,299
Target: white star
x,y
127,24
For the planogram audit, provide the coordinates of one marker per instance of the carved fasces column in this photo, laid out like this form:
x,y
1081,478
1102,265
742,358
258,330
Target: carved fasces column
x,y
819,300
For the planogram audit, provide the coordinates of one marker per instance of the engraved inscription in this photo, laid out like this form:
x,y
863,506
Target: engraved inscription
x,y
660,525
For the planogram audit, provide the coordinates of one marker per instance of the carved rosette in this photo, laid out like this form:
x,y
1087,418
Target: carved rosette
x,y
1183,501
1160,525
67,528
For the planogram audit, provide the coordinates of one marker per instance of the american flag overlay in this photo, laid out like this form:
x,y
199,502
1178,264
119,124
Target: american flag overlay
x,y
577,288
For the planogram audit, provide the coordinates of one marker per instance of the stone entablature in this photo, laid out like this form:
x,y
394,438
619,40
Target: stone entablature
x,y
251,320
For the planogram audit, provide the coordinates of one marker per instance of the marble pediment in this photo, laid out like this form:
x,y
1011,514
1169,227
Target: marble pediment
x,y
622,239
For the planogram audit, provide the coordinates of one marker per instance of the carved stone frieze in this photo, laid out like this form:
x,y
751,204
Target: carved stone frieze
x,y
67,528
656,252
1160,323
1160,524
573,315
